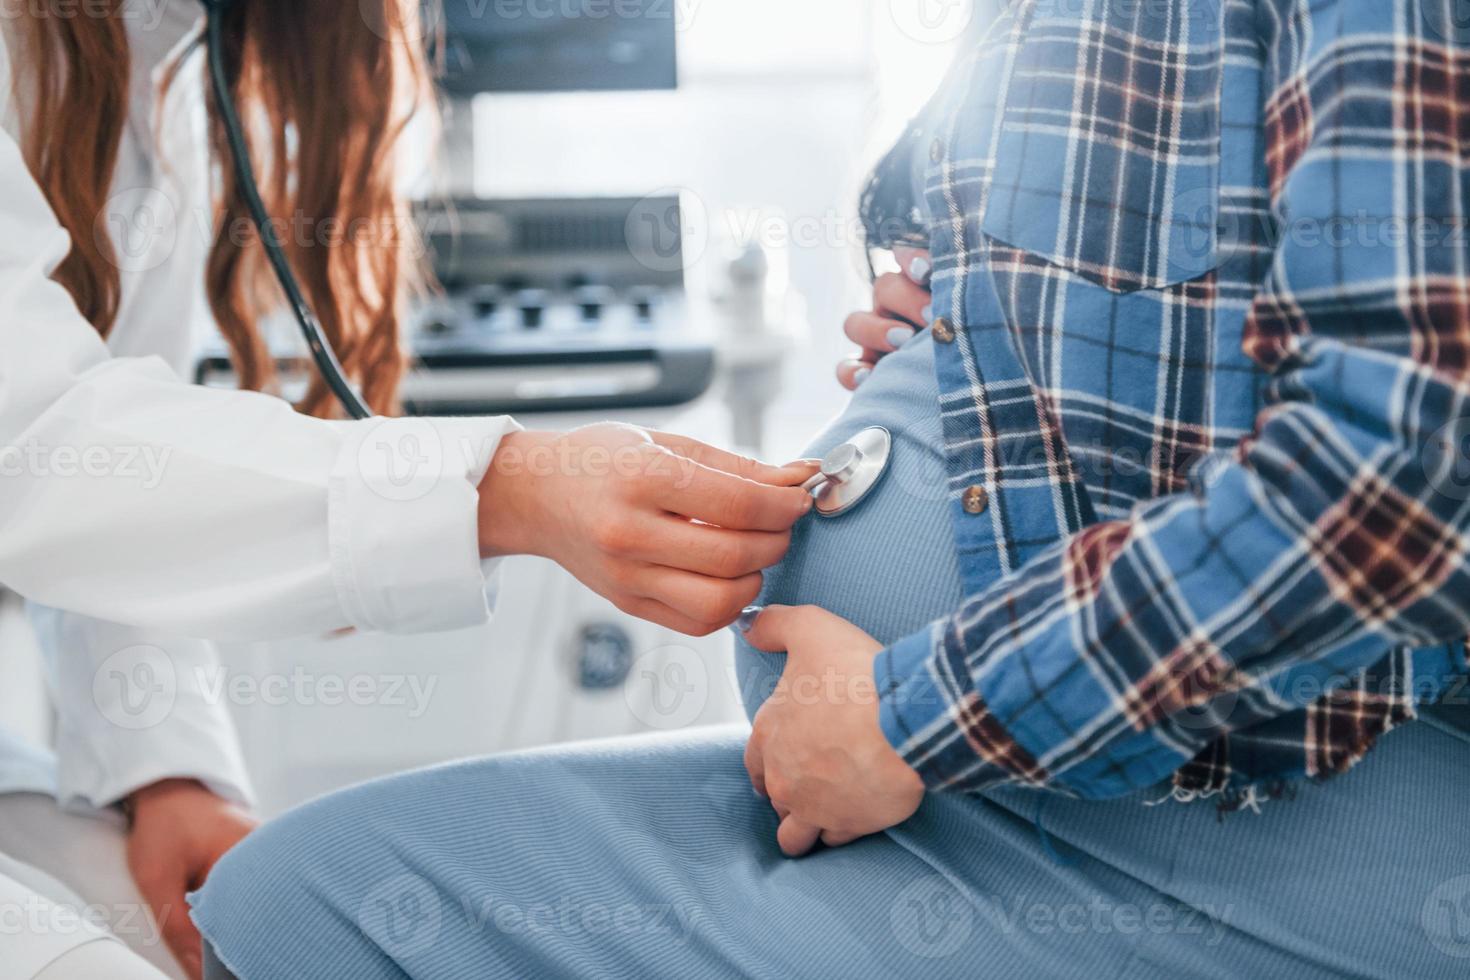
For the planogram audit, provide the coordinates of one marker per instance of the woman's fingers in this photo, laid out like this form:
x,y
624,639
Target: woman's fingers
x,y
895,294
876,333
901,305
915,263
797,838
755,767
854,371
832,839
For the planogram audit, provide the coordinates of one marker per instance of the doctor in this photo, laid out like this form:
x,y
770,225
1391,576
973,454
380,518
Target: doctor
x,y
154,511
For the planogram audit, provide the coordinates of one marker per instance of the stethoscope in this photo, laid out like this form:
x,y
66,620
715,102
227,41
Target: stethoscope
x,y
321,350
850,472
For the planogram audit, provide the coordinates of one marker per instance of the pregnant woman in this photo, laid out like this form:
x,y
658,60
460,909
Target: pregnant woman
x,y
1165,543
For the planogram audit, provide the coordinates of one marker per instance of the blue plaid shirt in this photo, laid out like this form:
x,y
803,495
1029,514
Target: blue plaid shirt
x,y
1202,313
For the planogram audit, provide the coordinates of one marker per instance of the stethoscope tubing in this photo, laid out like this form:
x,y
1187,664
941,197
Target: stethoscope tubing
x,y
322,354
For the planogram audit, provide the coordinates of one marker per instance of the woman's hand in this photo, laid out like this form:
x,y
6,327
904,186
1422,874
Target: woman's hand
x,y
667,528
816,750
179,830
900,309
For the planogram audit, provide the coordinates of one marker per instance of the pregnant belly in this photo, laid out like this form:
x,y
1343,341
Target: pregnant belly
x,y
889,565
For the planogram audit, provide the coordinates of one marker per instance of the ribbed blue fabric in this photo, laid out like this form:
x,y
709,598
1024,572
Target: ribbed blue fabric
x,y
652,858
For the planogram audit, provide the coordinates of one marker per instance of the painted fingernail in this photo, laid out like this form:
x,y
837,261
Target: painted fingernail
x,y
919,269
927,313
746,622
861,375
899,336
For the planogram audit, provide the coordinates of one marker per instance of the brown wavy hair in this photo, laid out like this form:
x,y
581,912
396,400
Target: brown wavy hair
x,y
325,88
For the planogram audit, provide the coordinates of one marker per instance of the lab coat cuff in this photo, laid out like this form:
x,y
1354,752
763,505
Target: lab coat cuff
x,y
110,796
93,775
404,522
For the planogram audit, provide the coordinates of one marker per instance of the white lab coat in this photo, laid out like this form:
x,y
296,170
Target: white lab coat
x,y
155,511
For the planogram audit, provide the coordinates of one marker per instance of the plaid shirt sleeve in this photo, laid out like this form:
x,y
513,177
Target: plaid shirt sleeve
x,y
1337,531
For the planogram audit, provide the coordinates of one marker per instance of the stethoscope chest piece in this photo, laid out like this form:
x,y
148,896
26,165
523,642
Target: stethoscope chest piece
x,y
851,471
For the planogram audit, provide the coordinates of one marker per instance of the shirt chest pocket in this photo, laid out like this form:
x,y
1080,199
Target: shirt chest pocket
x,y
1107,159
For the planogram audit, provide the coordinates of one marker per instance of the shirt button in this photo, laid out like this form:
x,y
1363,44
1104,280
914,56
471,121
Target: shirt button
x,y
936,151
977,500
943,331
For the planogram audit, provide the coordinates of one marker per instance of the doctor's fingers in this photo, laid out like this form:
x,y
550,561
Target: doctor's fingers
x,y
710,603
790,475
661,615
716,497
163,888
709,550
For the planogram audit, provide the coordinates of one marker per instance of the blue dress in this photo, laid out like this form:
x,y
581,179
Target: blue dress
x,y
649,858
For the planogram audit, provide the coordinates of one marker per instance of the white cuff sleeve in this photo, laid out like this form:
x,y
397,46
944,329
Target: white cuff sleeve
x,y
404,516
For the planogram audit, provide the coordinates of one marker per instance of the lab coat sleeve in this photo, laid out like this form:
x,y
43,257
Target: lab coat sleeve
x,y
131,496
134,708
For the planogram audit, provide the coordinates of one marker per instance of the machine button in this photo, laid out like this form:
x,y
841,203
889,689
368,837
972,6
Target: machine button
x,y
936,151
976,500
943,331
532,303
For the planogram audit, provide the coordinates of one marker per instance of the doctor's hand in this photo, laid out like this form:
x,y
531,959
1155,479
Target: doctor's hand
x,y
179,830
816,750
667,528
900,300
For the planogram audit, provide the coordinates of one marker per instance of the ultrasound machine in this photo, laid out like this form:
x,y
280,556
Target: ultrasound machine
x,y
551,304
